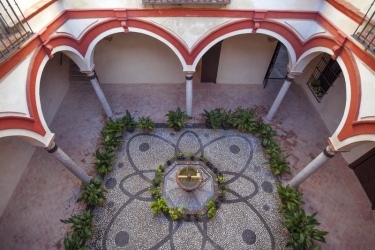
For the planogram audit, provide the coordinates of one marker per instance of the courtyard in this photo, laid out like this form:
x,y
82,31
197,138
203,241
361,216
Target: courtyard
x,y
47,192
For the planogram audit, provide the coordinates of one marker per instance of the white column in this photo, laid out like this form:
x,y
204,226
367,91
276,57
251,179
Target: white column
x,y
67,162
99,93
312,167
280,96
189,94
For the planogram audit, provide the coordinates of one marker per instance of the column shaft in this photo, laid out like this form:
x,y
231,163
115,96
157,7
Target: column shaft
x,y
68,163
311,167
100,94
189,94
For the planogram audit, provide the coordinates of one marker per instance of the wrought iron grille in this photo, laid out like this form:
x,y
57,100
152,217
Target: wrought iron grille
x,y
14,29
186,1
323,77
365,32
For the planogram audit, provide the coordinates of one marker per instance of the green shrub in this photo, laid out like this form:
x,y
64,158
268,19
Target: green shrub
x,y
114,127
246,122
128,120
301,229
266,133
82,224
146,123
228,117
279,165
74,242
176,118
176,214
111,141
93,193
211,209
103,164
290,197
155,192
159,206
212,118
220,179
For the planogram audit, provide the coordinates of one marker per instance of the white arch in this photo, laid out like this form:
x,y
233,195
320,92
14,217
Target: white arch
x,y
89,57
291,52
73,54
33,138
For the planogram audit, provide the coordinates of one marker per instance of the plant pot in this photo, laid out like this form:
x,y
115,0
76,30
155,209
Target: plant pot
x,y
169,163
221,198
208,164
222,187
225,126
177,128
215,170
196,217
208,125
217,203
130,129
188,217
192,158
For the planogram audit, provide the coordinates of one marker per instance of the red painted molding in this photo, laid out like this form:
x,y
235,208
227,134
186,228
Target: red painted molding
x,y
356,16
116,18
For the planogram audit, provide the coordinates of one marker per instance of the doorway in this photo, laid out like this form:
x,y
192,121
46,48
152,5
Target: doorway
x,y
210,63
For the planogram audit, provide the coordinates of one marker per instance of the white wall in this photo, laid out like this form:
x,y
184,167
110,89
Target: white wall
x,y
54,85
357,152
15,154
244,59
136,58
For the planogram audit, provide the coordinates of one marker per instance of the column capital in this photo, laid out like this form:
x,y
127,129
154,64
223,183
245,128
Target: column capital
x,y
52,147
89,72
329,152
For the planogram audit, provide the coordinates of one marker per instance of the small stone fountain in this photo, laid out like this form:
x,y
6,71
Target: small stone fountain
x,y
189,178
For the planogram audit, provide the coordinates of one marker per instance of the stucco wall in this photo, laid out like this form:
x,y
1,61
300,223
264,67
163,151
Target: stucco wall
x,y
15,154
136,58
244,59
54,85
357,152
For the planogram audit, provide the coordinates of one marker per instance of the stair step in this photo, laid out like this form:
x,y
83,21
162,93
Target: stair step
x,y
75,74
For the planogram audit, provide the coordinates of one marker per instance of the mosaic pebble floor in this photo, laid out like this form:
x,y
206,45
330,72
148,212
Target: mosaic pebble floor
x,y
247,219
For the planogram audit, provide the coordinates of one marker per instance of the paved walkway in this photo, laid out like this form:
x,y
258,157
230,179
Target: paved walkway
x,y
47,192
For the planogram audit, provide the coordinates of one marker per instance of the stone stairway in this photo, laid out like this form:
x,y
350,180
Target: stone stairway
x,y
75,75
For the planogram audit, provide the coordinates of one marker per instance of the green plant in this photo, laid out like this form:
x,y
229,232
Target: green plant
x,y
159,206
212,118
290,197
160,170
180,156
222,192
220,179
156,181
93,193
211,209
176,214
316,87
202,157
146,123
155,192
273,149
176,118
169,161
279,164
191,156
128,120
114,127
82,224
301,229
103,164
111,141
74,242
246,122
266,132
229,118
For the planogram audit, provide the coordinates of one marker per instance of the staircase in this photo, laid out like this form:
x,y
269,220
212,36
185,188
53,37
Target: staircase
x,y
75,75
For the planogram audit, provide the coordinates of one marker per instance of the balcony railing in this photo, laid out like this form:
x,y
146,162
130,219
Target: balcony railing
x,y
14,29
186,1
365,32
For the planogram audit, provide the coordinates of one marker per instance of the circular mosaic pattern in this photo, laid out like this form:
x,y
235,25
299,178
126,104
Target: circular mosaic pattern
x,y
144,147
234,149
249,237
122,238
110,183
267,186
129,198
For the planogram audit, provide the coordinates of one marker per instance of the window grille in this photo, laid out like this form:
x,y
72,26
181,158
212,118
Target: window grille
x,y
365,32
324,75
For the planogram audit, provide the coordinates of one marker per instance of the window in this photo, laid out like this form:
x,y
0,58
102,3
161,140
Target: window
x,y
324,75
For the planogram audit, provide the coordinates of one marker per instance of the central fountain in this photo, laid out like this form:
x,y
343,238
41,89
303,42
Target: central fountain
x,y
189,178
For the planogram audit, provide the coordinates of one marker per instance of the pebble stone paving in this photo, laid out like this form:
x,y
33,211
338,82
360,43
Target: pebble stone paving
x,y
247,218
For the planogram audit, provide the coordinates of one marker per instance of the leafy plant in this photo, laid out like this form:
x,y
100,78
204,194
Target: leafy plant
x,y
266,132
169,161
82,224
273,149
128,120
146,123
279,164
212,118
301,229
155,192
74,242
290,197
211,209
176,214
176,118
228,118
156,181
160,170
113,127
159,206
93,193
202,157
246,122
191,156
180,156
220,179
111,141
103,164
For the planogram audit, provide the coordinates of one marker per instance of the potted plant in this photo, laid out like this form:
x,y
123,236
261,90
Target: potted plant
x,y
93,193
266,132
180,156
129,122
246,122
146,124
191,156
228,119
222,193
169,161
212,118
176,119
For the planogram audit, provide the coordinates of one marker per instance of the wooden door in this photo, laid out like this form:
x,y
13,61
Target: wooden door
x,y
364,168
210,63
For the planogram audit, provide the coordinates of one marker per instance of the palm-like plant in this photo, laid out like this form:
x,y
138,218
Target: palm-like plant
x,y
176,118
103,164
111,141
228,118
74,242
266,132
146,123
114,127
93,193
290,197
82,224
212,118
301,229
279,164
128,120
246,122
